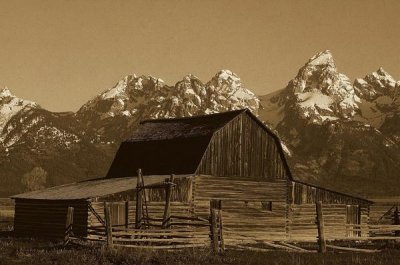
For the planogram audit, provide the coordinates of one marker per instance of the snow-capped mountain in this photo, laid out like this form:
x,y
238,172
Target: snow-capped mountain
x,y
115,112
337,134
317,94
10,106
379,92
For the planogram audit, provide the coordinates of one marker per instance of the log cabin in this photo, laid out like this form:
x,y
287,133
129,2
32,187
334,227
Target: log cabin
x,y
230,156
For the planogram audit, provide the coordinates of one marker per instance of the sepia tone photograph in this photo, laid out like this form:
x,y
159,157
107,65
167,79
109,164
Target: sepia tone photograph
x,y
200,132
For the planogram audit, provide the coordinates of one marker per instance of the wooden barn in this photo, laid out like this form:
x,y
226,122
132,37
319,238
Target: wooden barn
x,y
230,156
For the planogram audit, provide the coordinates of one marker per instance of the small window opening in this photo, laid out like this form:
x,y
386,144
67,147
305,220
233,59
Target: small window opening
x,y
266,206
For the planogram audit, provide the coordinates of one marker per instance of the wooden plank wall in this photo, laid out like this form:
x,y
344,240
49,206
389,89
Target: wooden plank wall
x,y
302,212
246,215
243,148
46,219
304,228
382,212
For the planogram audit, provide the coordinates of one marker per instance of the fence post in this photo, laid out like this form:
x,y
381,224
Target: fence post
x,y
68,225
167,209
221,226
396,220
320,227
139,203
213,226
126,214
107,213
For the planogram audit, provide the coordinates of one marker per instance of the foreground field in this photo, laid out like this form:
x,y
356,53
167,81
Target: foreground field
x,y
29,251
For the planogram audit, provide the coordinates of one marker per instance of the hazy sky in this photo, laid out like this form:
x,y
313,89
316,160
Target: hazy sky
x,y
62,53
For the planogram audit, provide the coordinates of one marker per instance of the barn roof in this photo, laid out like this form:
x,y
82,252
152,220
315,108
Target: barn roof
x,y
186,127
89,189
166,146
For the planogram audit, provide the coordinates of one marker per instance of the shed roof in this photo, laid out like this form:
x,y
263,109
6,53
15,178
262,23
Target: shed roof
x,y
89,189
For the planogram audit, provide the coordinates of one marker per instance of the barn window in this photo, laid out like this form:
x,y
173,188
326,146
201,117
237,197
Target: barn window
x,y
266,206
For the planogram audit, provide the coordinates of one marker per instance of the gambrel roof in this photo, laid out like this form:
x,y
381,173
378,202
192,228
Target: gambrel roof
x,y
174,146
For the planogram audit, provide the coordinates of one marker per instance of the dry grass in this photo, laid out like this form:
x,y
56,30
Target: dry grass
x,y
29,251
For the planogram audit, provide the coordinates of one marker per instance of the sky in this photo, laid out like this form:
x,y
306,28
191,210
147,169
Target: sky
x,y
61,53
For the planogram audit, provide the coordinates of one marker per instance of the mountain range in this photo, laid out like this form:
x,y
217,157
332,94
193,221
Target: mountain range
x,y
336,133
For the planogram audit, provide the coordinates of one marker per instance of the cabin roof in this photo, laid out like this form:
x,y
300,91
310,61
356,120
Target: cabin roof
x,y
89,189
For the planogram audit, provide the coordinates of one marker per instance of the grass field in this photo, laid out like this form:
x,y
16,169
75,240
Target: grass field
x,y
29,251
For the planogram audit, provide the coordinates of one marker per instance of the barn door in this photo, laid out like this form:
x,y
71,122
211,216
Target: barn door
x,y
118,213
353,218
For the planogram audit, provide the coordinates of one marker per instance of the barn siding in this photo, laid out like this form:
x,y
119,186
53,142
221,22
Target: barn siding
x,y
302,212
243,148
47,219
246,218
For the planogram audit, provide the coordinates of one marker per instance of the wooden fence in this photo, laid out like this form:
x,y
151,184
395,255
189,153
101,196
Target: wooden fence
x,y
170,232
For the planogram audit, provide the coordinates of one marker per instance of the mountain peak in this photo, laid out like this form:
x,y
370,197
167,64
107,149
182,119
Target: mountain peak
x,y
382,74
227,75
322,58
190,77
376,84
5,92
321,92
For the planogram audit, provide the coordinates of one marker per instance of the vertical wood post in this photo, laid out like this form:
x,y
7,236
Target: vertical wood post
x,y
139,203
320,227
359,221
127,214
221,227
68,225
396,220
167,208
213,227
107,214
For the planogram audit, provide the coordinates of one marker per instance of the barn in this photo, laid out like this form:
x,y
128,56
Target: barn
x,y
230,156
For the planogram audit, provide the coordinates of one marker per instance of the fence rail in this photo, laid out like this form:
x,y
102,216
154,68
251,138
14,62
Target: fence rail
x,y
171,231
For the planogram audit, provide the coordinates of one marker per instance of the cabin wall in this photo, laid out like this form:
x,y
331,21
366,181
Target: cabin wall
x,y
243,148
47,219
252,210
339,211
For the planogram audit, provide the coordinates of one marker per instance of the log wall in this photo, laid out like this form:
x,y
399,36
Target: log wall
x,y
303,222
47,219
243,148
